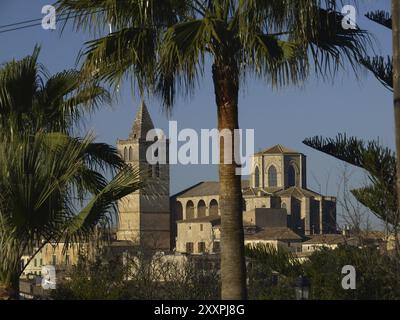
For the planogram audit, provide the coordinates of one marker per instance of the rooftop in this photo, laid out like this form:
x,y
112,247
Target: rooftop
x,y
331,238
277,149
278,233
297,192
142,123
211,188
204,188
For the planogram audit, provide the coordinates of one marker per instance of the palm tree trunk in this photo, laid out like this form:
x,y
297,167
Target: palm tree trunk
x,y
396,95
233,268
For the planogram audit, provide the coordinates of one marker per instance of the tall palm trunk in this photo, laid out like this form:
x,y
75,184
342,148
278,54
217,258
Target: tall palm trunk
x,y
233,268
396,97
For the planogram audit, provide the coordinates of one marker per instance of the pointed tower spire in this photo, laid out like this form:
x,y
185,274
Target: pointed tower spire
x,y
142,123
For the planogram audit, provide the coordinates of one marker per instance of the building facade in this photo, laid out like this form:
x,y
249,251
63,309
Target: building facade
x,y
144,216
261,226
278,181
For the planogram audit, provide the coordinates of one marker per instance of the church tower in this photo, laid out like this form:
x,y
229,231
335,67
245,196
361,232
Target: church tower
x,y
144,215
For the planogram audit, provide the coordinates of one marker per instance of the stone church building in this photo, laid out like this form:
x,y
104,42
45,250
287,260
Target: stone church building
x,y
144,216
275,191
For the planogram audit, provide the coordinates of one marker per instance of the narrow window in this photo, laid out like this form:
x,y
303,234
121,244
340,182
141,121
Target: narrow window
x,y
272,177
256,177
201,247
291,176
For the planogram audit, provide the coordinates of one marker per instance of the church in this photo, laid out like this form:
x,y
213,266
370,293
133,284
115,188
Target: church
x,y
277,205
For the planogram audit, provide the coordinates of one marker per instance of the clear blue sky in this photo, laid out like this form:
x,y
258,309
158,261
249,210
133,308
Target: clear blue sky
x,y
286,116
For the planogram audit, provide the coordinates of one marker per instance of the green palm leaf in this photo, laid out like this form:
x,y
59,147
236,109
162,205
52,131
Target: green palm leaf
x,y
46,175
380,164
381,68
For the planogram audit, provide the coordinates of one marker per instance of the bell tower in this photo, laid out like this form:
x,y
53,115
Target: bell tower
x,y
144,215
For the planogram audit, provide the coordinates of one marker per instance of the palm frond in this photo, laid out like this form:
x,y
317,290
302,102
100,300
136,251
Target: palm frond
x,y
381,202
130,52
52,103
67,100
381,68
274,259
331,45
46,175
24,76
161,46
102,205
182,56
378,161
268,57
381,17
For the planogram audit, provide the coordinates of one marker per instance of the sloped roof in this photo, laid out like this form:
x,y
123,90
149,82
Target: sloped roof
x,y
211,188
330,238
374,235
297,192
204,188
277,233
277,149
250,191
142,123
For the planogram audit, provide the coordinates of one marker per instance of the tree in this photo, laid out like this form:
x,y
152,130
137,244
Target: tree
x,y
381,67
52,185
163,46
396,87
387,72
140,276
376,276
272,272
380,164
382,197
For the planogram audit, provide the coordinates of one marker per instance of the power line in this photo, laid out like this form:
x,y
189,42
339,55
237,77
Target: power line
x,y
39,23
23,27
28,21
18,23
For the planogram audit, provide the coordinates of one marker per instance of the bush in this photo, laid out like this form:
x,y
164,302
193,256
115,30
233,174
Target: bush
x,y
272,273
377,274
142,277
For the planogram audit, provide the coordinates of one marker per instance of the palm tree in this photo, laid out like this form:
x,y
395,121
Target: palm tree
x,y
52,185
396,86
164,46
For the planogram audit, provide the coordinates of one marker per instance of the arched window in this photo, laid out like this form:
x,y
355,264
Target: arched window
x,y
178,211
256,177
201,209
214,207
272,177
130,154
291,176
189,210
126,154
